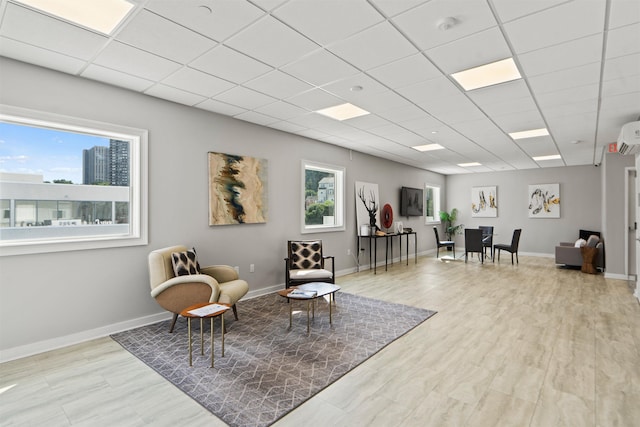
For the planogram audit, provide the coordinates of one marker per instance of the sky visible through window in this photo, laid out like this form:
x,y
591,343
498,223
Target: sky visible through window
x,y
51,153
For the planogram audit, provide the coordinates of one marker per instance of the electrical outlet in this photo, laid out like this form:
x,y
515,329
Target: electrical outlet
x,y
348,251
252,268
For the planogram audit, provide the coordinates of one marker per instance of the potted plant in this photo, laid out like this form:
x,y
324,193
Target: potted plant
x,y
448,219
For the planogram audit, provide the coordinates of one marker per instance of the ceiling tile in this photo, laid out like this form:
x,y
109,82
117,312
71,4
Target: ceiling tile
x,y
624,12
622,66
257,118
264,40
220,107
281,110
245,98
37,29
421,23
315,99
572,54
406,71
509,10
516,122
127,59
623,41
319,68
195,81
621,86
373,47
578,76
325,25
155,34
477,49
116,78
175,95
573,94
230,65
38,56
394,7
278,84
217,19
584,21
287,127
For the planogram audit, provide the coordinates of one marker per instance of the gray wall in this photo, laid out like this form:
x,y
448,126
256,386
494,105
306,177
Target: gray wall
x,y
613,203
73,292
580,196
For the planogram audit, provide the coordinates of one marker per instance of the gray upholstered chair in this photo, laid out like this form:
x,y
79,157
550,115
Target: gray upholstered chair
x,y
217,283
305,263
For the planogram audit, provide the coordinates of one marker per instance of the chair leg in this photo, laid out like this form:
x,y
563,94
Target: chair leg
x,y
235,311
173,322
437,251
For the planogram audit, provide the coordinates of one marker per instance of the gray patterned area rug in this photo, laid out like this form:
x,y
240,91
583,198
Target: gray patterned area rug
x,y
269,369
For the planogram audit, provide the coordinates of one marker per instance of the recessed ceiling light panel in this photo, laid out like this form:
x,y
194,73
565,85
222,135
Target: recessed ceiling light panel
x,y
428,147
529,133
343,112
468,165
100,15
551,157
487,75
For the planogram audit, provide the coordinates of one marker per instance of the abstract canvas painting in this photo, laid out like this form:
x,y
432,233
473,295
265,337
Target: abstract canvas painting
x,y
237,189
544,201
484,202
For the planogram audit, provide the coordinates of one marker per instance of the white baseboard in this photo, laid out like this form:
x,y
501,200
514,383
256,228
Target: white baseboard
x,y
67,340
615,276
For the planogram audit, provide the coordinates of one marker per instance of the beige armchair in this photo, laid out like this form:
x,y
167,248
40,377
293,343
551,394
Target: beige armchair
x,y
217,283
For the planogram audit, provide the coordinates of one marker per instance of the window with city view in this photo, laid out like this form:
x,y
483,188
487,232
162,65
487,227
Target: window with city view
x,y
67,183
323,196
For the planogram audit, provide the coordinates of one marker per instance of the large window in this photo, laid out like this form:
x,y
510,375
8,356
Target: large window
x,y
70,184
432,204
323,197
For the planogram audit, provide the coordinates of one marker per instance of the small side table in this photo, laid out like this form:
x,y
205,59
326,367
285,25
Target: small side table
x,y
207,310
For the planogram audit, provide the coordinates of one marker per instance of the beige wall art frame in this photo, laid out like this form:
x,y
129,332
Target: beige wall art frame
x,y
237,189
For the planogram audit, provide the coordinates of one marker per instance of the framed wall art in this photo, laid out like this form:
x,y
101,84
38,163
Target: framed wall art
x,y
237,189
484,202
544,201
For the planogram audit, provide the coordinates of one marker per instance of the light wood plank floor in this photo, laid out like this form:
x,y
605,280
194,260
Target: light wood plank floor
x,y
524,345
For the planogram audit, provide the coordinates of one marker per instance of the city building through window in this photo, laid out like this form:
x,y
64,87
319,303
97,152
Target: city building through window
x,y
68,184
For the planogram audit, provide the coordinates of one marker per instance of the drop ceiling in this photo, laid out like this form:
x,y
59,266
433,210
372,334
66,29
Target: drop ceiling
x,y
276,62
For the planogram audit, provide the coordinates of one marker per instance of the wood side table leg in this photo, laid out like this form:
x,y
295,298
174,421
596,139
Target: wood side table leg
x,y
222,320
201,338
189,335
308,320
211,321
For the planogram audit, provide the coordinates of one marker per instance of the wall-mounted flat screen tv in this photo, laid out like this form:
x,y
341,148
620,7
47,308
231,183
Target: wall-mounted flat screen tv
x,y
411,201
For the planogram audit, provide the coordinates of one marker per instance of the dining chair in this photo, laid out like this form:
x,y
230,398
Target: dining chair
x,y
473,243
487,238
444,244
513,247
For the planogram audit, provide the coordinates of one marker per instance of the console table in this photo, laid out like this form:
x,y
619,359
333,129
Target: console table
x,y
373,254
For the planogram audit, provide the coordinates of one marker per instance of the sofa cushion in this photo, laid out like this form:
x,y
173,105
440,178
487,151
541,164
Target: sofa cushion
x,y
185,263
580,243
592,241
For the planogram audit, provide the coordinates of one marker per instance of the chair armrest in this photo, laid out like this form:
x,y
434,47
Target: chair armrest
x,y
221,273
333,263
191,278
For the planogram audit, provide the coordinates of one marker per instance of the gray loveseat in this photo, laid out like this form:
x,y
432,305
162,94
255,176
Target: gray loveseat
x,y
569,254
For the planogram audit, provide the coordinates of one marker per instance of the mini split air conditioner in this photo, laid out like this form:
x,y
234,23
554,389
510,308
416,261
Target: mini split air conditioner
x,y
629,139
